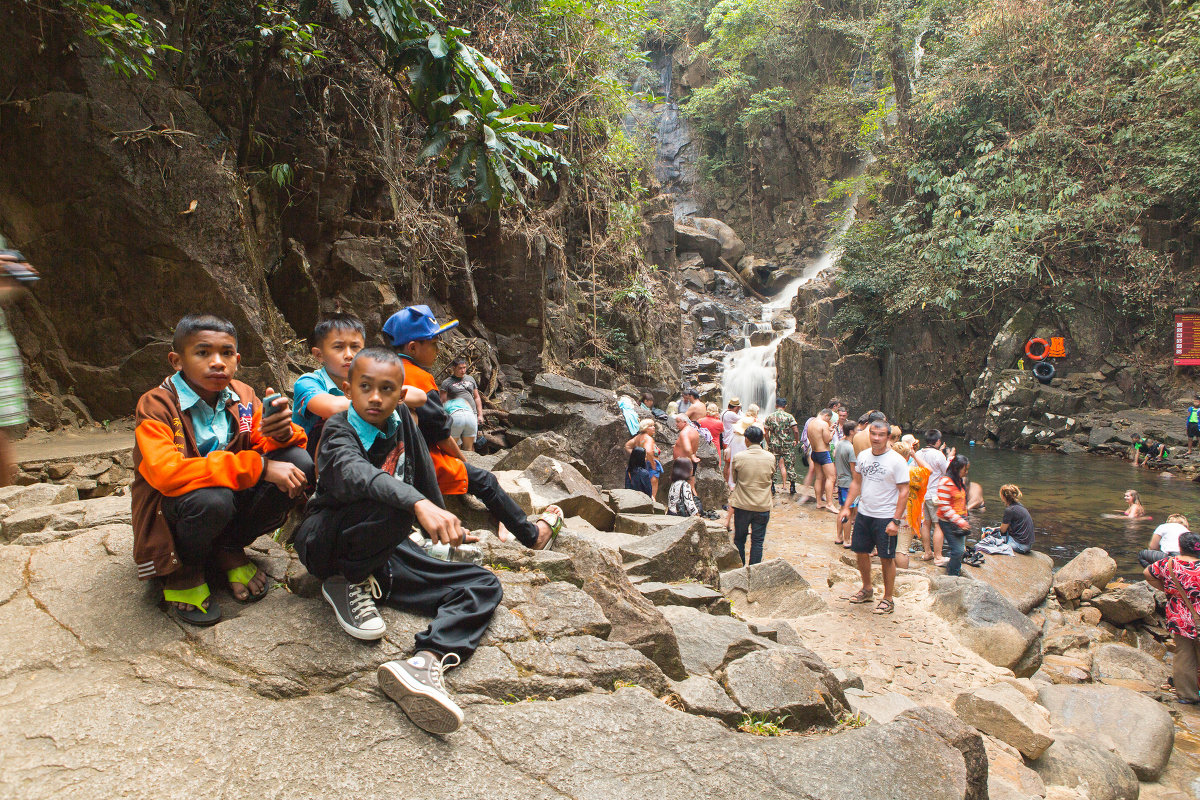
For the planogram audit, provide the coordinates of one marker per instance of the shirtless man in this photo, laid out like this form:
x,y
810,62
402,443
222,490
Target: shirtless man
x,y
695,410
862,439
820,433
687,445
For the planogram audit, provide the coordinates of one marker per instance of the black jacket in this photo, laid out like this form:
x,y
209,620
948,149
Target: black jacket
x,y
346,473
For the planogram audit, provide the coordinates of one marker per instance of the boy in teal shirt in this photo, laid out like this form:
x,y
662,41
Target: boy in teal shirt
x,y
1193,424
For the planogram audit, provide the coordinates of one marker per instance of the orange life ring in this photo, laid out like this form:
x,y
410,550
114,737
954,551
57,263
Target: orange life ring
x,y
1029,349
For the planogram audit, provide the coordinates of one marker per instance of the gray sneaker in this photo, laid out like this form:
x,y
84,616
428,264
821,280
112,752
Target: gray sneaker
x,y
416,685
354,606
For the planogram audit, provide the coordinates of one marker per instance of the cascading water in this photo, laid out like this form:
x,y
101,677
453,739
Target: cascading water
x,y
749,374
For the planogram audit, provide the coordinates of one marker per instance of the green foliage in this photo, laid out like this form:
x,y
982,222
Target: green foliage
x,y
281,174
763,725
1045,135
292,42
460,93
128,42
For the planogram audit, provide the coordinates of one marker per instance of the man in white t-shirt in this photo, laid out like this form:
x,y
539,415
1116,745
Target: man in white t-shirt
x,y
1164,542
933,459
729,418
880,484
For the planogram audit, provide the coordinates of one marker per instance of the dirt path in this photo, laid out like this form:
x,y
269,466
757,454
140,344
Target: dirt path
x,y
43,446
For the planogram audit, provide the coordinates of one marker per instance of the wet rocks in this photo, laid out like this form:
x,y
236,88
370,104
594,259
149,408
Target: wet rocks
x,y
1005,713
1134,727
986,622
771,588
1093,568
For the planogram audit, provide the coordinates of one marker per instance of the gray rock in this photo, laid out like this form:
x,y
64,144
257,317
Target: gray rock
x,y
696,595
1007,776
552,481
1073,761
556,387
732,246
631,501
561,609
1124,663
689,239
1002,711
67,516
608,539
1127,603
983,620
776,630
1023,580
847,679
543,444
963,738
686,550
1133,726
634,619
38,494
580,663
771,588
1092,567
705,696
708,642
791,681
878,708
644,524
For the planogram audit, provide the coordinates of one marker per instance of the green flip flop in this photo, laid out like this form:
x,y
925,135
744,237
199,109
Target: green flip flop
x,y
197,615
243,575
553,516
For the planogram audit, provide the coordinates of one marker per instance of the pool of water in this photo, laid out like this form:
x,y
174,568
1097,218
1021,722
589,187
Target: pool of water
x,y
1067,495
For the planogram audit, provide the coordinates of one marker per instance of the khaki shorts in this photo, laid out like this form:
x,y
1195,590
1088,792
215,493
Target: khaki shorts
x,y
930,511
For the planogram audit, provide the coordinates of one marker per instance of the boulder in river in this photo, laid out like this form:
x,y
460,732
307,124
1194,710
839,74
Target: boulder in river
x,y
986,622
1091,568
1024,580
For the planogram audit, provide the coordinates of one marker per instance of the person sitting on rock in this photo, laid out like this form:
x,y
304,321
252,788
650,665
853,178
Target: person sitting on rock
x,y
414,333
376,481
318,395
645,441
213,471
681,499
1164,541
648,407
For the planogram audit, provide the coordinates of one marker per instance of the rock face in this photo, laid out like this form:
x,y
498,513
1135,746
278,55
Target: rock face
x,y
789,682
1005,713
707,642
552,481
1126,603
988,624
771,589
963,738
1091,568
1073,761
1124,663
688,549
1134,727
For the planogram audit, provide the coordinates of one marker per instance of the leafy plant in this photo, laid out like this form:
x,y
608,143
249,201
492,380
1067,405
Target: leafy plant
x,y
128,42
763,725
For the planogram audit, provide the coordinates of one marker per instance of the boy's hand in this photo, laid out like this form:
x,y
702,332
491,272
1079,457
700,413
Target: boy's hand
x,y
288,478
440,525
277,421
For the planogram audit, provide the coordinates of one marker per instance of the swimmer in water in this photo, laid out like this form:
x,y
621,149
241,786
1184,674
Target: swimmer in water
x,y
1134,509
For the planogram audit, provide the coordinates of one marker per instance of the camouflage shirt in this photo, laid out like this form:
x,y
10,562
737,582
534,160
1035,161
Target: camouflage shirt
x,y
779,429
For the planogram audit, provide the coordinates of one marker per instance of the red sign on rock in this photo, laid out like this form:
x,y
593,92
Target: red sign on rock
x,y
1187,339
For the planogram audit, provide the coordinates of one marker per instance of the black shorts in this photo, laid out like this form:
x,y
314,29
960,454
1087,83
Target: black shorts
x,y
1193,430
870,533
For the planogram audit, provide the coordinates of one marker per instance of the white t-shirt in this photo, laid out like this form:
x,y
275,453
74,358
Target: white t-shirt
x,y
729,418
882,477
936,461
1169,533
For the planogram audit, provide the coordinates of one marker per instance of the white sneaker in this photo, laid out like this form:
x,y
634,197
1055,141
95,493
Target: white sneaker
x,y
416,686
354,606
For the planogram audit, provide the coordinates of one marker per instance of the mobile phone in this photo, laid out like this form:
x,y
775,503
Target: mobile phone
x,y
268,408
18,268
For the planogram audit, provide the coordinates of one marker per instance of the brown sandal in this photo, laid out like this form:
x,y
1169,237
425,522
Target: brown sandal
x,y
861,596
884,607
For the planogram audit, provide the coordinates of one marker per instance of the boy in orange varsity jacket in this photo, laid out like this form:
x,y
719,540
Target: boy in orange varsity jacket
x,y
212,473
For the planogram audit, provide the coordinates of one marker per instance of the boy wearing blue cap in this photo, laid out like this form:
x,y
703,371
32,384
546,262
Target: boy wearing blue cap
x,y
414,333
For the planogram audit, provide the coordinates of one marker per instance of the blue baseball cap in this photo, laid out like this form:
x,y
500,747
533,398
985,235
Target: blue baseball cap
x,y
414,324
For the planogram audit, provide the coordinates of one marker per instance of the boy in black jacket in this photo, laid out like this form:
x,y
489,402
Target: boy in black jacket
x,y
374,482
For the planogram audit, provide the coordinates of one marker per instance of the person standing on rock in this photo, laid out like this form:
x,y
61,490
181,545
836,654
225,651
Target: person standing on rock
x,y
1193,424
414,333
712,424
783,439
951,509
753,469
843,462
687,446
820,433
214,469
13,410
933,458
1179,577
376,483
460,398
880,486
694,410
645,440
729,418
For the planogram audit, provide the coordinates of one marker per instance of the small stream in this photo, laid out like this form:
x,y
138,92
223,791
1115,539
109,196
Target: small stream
x,y
1067,494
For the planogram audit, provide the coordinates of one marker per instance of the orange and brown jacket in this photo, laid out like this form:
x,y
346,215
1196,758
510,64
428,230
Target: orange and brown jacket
x,y
167,462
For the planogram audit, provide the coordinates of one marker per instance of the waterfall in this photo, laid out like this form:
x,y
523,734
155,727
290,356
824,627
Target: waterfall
x,y
749,373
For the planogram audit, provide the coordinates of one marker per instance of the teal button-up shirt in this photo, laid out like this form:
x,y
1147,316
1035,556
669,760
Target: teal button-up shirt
x,y
213,427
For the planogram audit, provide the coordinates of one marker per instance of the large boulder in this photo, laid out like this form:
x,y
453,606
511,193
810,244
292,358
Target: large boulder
x,y
1023,580
1073,761
771,588
1126,603
707,642
1091,568
548,386
791,685
631,501
689,549
72,516
1131,725
696,595
690,239
634,619
553,482
644,524
543,444
1119,662
986,622
1005,713
732,246
964,738
701,695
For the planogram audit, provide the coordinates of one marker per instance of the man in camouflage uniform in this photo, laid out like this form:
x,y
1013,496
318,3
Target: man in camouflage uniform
x,y
783,437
